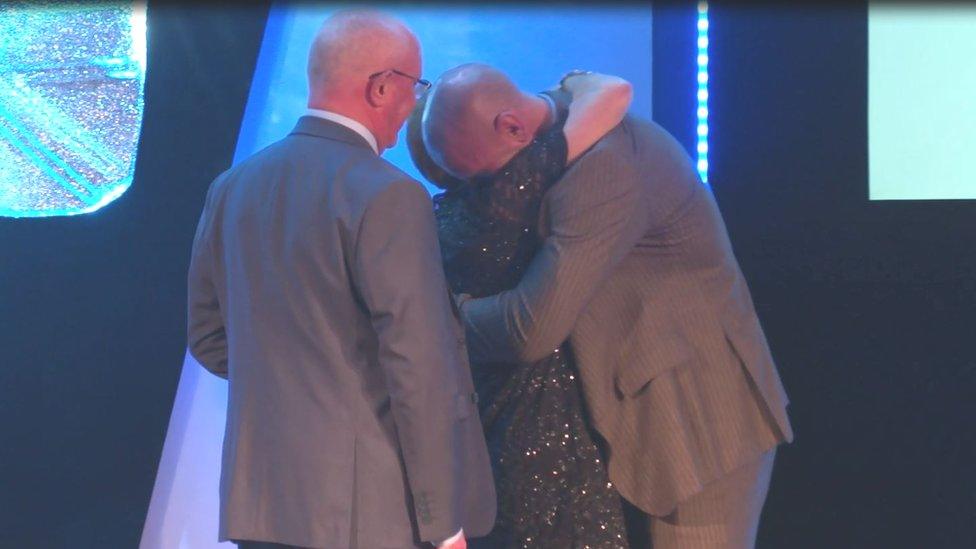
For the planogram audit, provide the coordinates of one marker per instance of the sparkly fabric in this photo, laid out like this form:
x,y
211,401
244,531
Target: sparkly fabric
x,y
71,104
552,484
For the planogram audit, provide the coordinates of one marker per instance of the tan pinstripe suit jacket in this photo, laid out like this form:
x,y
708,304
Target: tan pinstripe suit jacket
x,y
637,271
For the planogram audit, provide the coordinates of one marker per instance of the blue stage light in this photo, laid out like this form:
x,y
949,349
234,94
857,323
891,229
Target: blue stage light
x,y
702,112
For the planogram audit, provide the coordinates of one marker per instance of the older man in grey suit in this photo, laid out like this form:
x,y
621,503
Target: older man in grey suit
x,y
637,271
315,287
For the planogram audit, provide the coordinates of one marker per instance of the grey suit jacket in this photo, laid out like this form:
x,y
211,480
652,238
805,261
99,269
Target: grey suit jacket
x,y
315,287
637,271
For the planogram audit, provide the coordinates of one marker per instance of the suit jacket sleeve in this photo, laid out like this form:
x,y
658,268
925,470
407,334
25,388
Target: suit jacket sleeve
x,y
596,219
206,337
399,277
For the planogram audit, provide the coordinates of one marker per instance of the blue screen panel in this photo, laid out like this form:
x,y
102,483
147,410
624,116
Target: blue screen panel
x,y
71,103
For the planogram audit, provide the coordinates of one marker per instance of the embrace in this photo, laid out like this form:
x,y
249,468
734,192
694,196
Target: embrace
x,y
557,351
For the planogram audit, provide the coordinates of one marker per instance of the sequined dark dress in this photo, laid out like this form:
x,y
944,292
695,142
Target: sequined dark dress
x,y
552,483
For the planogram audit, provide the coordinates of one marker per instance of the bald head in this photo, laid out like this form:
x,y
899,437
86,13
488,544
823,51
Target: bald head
x,y
461,118
357,66
351,45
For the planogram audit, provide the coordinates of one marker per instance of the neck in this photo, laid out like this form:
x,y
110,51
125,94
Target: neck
x,y
538,114
349,110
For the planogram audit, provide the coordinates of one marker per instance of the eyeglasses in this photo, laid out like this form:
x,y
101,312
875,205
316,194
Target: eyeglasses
x,y
419,84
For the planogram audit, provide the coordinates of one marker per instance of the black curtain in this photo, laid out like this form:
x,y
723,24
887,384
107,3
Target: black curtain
x,y
870,307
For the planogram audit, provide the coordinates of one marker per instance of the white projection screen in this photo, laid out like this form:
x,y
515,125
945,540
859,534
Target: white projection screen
x,y
922,101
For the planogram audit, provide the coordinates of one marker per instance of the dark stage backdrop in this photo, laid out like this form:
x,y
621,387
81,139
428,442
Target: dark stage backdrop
x,y
869,306
92,308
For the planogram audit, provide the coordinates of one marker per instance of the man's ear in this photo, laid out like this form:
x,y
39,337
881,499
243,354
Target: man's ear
x,y
510,127
378,90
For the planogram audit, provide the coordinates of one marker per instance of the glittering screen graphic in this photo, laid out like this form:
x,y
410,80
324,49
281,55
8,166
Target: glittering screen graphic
x,y
71,85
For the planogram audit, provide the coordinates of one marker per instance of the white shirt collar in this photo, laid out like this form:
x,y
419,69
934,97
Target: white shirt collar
x,y
347,122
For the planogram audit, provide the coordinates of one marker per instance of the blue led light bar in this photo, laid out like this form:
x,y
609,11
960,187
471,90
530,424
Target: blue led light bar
x,y
702,148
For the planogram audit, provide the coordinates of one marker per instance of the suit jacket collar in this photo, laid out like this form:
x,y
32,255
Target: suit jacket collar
x,y
327,129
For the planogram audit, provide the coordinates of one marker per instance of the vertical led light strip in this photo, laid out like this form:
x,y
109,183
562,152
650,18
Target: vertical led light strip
x,y
703,91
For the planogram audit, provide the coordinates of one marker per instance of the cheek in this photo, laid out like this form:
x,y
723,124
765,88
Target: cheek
x,y
408,106
480,164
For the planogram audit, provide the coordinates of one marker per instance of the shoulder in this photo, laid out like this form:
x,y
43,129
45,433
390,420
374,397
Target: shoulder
x,y
606,173
649,134
612,159
357,175
636,148
395,208
255,166
617,147
392,192
382,177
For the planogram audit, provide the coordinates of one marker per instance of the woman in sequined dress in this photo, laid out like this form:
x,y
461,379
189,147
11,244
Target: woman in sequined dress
x,y
551,479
